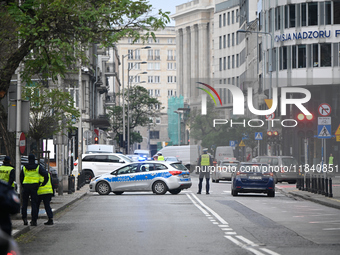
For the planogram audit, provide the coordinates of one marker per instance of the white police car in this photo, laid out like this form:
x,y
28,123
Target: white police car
x,y
158,177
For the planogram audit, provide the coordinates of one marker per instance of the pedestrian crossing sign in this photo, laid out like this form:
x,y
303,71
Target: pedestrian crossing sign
x,y
258,136
324,131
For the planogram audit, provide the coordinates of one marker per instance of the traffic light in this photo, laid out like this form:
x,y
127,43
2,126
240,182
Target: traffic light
x,y
270,136
96,140
276,136
305,125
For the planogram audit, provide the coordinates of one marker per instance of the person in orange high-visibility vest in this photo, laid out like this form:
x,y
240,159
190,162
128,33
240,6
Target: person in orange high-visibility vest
x,y
205,161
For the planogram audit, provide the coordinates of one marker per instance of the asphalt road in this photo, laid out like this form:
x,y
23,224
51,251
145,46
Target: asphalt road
x,y
188,223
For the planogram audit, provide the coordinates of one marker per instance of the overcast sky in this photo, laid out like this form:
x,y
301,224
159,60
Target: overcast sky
x,y
167,5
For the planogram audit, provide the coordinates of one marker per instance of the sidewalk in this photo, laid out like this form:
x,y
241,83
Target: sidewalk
x,y
291,190
58,204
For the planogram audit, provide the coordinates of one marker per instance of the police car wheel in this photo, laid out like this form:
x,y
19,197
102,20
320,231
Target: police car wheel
x,y
175,191
159,188
103,188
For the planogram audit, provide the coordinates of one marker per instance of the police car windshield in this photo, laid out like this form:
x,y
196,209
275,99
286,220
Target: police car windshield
x,y
179,166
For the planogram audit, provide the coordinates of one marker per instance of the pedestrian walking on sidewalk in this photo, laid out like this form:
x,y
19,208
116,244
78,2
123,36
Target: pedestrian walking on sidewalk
x,y
45,194
9,204
206,162
30,180
7,171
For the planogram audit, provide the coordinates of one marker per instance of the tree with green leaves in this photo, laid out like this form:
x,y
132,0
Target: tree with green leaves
x,y
49,36
51,111
142,107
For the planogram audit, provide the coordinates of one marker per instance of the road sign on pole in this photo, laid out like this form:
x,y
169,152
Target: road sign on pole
x,y
22,143
324,109
258,136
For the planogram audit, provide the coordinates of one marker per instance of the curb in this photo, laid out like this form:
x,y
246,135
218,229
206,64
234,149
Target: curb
x,y
26,229
335,205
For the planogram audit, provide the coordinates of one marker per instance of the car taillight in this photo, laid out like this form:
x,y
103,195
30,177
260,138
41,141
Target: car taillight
x,y
271,174
175,172
75,163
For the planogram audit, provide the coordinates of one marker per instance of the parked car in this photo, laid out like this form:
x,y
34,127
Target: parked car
x,y
253,178
96,164
158,177
285,168
224,170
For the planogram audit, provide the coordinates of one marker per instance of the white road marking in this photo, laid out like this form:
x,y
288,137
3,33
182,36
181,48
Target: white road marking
x,y
226,229
204,208
331,229
247,241
269,251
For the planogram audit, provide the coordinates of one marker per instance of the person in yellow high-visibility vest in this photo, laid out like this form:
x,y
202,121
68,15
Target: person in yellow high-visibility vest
x,y
205,161
30,180
160,156
7,171
45,194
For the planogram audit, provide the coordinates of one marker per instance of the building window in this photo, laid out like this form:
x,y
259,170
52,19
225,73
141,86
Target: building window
x,y
150,79
224,21
154,134
286,16
170,55
303,14
150,92
336,54
292,15
171,92
74,92
294,59
328,13
232,17
157,79
220,64
157,92
283,57
301,56
277,18
158,120
137,54
233,61
220,20
312,14
336,11
157,66
228,18
224,41
233,39
171,79
130,54
315,49
326,54
236,15
228,62
224,63
157,55
220,42
237,60
150,54
228,40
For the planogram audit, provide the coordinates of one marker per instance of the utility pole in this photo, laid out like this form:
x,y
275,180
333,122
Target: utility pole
x,y
59,150
18,131
80,130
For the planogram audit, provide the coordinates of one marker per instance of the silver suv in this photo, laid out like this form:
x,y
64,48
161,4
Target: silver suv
x,y
96,164
285,168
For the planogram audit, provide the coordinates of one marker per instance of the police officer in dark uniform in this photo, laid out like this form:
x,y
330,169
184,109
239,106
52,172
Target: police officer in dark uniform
x,y
30,180
205,161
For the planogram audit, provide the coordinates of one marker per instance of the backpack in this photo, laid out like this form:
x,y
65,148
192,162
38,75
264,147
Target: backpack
x,y
9,200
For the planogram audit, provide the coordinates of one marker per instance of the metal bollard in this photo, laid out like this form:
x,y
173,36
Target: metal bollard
x,y
326,188
330,188
323,185
319,185
302,182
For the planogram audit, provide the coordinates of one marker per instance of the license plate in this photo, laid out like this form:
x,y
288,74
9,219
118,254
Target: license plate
x,y
255,177
185,180
185,175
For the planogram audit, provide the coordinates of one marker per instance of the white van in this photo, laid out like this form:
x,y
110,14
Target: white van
x,y
100,148
224,153
188,154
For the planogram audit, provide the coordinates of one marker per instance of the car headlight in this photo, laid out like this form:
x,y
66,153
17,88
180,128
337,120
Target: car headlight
x,y
94,178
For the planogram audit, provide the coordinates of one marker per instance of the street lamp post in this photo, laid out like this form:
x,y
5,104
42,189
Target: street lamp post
x,y
270,56
128,117
123,101
270,67
179,127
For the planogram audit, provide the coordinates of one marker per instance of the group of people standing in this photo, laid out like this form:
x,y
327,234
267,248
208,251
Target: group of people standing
x,y
36,185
